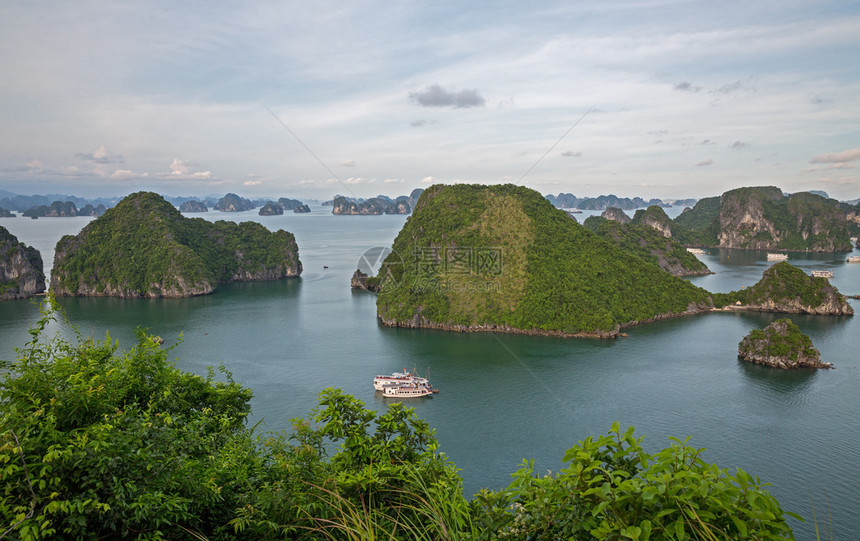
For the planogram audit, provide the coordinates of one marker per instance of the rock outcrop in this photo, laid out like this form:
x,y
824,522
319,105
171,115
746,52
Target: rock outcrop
x,y
89,210
21,271
6,214
786,289
780,345
192,207
302,209
360,280
271,209
616,214
763,218
655,218
233,203
144,247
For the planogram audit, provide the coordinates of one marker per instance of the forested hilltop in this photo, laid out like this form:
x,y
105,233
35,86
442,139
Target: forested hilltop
x,y
144,247
503,258
763,218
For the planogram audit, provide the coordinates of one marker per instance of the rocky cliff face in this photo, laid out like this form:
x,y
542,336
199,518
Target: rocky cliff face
x,y
656,218
21,274
763,218
780,345
233,203
193,206
616,214
271,209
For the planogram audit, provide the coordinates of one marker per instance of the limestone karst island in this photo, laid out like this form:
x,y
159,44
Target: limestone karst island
x,y
504,259
144,247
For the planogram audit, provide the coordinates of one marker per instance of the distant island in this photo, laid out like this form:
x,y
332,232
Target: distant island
x,y
6,214
780,345
602,202
503,259
271,209
193,206
144,247
21,271
63,209
233,203
763,218
380,204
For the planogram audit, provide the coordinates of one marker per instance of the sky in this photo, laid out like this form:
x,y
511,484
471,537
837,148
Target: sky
x,y
650,98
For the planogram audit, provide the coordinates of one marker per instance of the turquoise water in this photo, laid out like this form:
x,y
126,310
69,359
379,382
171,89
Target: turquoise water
x,y
505,398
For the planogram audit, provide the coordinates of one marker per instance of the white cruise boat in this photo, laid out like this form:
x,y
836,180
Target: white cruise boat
x,y
853,259
696,251
398,378
822,274
771,256
407,391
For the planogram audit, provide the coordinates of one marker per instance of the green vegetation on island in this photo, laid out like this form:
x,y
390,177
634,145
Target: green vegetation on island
x,y
503,258
781,345
144,247
785,288
650,243
763,218
21,270
233,203
100,443
193,206
271,209
54,210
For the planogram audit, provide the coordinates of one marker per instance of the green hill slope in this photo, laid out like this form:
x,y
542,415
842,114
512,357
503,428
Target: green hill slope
x,y
503,258
648,242
144,247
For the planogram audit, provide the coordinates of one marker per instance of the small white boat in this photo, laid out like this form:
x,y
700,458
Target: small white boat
x,y
776,257
696,251
853,259
822,274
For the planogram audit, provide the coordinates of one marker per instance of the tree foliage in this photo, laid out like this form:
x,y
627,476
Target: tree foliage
x,y
101,443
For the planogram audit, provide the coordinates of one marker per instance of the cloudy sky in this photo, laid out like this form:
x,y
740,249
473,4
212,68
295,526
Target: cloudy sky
x,y
307,99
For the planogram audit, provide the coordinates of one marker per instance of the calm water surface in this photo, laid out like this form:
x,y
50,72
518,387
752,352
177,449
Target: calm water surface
x,y
505,398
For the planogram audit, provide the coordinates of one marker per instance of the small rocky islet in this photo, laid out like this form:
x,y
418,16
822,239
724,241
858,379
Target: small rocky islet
x,y
21,270
780,345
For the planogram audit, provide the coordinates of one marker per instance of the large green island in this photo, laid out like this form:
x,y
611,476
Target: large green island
x,y
503,259
144,247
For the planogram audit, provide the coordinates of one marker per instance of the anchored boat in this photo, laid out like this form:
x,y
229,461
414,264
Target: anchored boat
x,y
403,385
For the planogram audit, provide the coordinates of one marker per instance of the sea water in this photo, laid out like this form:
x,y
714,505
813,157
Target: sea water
x,y
504,398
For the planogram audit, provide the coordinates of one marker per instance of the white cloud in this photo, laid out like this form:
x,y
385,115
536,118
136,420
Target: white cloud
x,y
428,180
703,163
838,157
348,163
393,181
36,166
123,174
